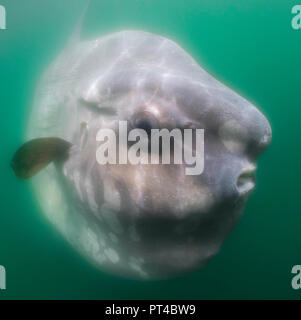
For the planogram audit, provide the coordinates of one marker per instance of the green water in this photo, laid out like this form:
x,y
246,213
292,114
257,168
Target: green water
x,y
251,46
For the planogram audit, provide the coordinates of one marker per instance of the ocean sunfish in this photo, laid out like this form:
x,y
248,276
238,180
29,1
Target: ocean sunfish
x,y
139,221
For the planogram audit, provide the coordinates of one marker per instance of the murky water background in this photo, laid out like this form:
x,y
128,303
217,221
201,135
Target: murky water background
x,y
249,45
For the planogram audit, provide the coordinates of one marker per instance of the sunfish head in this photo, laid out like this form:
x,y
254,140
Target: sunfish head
x,y
149,220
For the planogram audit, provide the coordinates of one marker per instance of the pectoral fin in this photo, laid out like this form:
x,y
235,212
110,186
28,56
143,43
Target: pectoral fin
x,y
36,154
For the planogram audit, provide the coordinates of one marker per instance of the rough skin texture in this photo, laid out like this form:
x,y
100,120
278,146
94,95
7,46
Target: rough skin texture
x,y
143,221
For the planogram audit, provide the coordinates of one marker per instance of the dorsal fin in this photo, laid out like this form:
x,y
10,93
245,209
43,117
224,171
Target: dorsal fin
x,y
36,154
76,35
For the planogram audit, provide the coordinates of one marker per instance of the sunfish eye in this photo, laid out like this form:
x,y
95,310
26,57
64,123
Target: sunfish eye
x,y
145,121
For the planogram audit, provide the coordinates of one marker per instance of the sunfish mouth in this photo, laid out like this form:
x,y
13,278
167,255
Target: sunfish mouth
x,y
246,181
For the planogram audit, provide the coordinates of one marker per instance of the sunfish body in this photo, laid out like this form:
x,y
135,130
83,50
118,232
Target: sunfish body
x,y
140,221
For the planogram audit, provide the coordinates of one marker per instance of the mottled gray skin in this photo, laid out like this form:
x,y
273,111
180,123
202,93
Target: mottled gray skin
x,y
144,221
